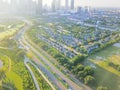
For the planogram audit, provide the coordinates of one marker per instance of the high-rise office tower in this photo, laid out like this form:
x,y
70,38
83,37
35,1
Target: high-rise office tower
x,y
39,6
30,5
54,5
14,5
72,4
1,4
66,4
58,4
12,1
79,10
21,2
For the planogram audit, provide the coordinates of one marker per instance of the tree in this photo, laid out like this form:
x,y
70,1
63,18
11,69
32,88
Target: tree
x,y
2,74
88,79
78,59
80,67
118,68
10,84
81,75
88,70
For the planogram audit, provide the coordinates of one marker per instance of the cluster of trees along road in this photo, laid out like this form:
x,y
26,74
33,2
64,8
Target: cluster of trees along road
x,y
76,64
83,73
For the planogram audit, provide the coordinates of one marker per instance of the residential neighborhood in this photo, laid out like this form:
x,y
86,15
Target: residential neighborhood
x,y
85,38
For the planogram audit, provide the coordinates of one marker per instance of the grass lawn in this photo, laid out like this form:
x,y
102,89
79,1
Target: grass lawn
x,y
107,79
16,79
104,74
104,65
115,59
107,52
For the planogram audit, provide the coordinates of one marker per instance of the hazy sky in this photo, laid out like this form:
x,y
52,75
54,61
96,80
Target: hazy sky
x,y
94,3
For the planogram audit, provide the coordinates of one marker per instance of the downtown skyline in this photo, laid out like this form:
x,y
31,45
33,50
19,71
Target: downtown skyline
x,y
92,3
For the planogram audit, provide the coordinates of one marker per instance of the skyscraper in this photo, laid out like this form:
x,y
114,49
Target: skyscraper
x,y
72,4
66,4
31,7
58,5
12,1
14,5
54,5
39,6
1,5
79,10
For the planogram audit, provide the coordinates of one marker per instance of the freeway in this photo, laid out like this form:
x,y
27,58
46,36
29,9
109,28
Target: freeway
x,y
23,42
53,60
73,85
28,60
42,67
49,74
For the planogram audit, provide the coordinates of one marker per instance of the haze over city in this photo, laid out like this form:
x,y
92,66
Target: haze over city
x,y
92,3
59,45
